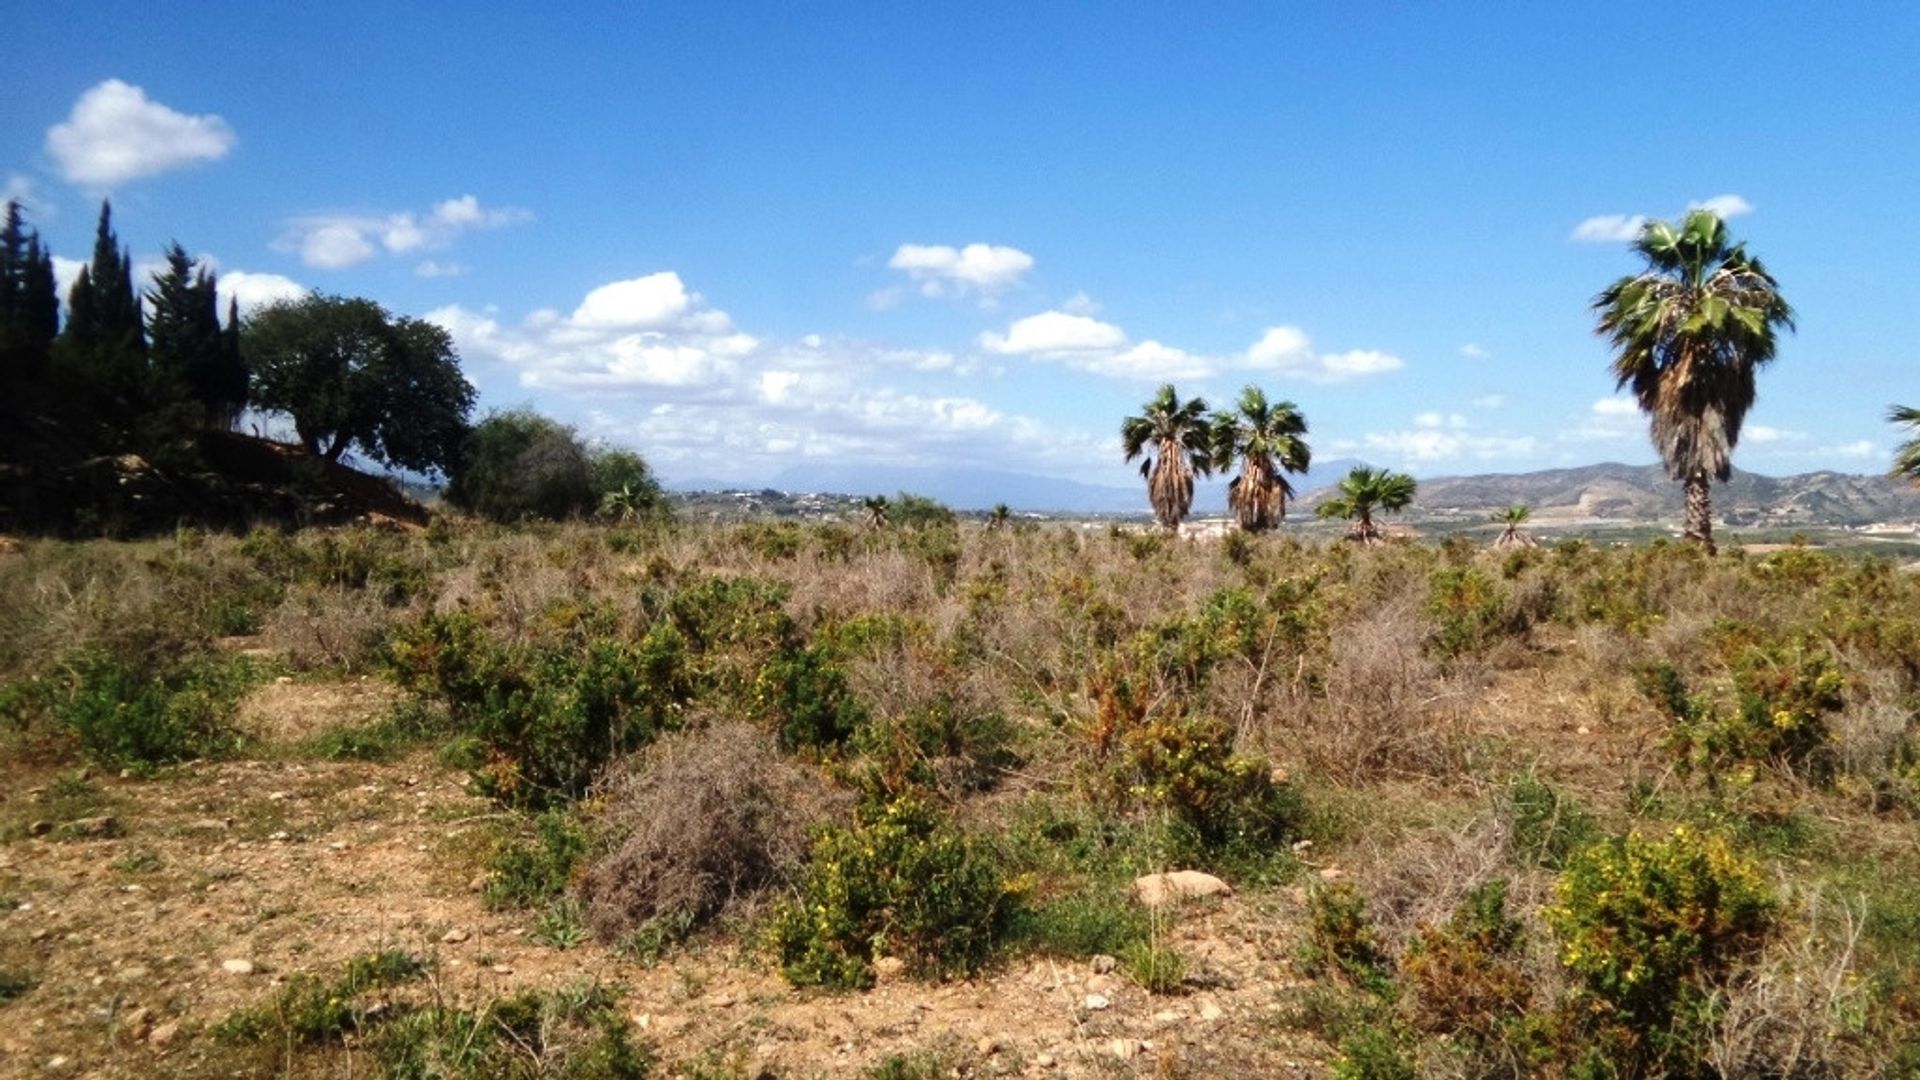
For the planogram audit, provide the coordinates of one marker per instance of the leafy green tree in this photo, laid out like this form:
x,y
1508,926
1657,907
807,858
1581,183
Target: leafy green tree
x,y
351,375
29,303
1176,439
1268,440
195,360
103,351
1689,332
1906,459
920,511
1365,492
626,485
518,465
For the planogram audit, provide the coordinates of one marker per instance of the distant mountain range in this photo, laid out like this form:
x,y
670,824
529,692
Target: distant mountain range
x,y
1605,492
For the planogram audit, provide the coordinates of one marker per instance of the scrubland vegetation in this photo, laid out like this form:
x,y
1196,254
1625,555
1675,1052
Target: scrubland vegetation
x,y
1566,810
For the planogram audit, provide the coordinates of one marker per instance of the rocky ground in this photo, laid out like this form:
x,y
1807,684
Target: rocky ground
x,y
149,910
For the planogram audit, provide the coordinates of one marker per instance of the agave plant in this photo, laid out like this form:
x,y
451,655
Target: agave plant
x,y
1906,457
1175,438
1267,438
1689,332
1513,536
1365,492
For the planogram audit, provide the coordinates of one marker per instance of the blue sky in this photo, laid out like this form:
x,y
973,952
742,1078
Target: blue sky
x,y
737,237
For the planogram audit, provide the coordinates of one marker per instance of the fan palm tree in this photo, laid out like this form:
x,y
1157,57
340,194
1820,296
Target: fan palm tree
x,y
876,508
623,504
1267,440
1906,457
1174,436
1513,517
997,518
1363,493
1688,332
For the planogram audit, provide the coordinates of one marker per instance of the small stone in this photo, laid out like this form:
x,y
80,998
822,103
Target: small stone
x,y
987,1045
1102,964
139,1022
40,828
1210,1011
58,1063
889,967
164,1033
284,680
1302,846
1168,1016
1155,890
1045,1061
1583,730
1097,1002
237,967
455,936
502,969
1331,873
1125,1049
277,796
1099,984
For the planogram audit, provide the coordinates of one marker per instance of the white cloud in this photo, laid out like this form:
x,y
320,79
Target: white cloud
x,y
1622,228
335,247
19,189
255,290
1088,344
1727,206
336,241
1609,229
1610,419
65,272
1436,420
1864,448
430,268
1762,433
1436,444
1490,401
1054,333
649,302
115,134
986,269
1474,352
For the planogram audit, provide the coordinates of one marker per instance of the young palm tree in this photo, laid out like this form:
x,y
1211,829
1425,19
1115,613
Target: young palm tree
x,y
1689,331
1174,436
1906,458
1513,517
623,504
1365,492
1267,440
876,508
998,518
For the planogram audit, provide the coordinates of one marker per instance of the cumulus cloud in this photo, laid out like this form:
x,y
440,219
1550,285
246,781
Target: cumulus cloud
x,y
429,268
1052,333
115,134
1439,437
337,241
1086,343
255,290
1474,352
940,270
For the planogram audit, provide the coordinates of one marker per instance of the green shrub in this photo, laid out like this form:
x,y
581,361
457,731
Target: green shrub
x,y
1340,941
313,1010
806,691
903,881
1464,978
1783,693
1156,966
1221,803
1545,824
530,871
1467,609
935,745
1373,1052
128,717
1649,925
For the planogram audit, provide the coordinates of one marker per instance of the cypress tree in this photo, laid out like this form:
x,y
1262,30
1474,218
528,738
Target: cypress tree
x,y
105,343
29,308
190,350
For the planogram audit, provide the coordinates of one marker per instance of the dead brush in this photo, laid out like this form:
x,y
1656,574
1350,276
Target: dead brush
x,y
1381,708
1798,1009
706,821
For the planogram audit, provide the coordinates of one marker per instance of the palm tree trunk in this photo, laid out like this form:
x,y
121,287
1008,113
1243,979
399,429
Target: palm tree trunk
x,y
1699,528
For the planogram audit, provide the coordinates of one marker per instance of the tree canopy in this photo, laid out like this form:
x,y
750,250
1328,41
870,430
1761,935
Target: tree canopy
x,y
1176,439
1269,439
351,375
518,465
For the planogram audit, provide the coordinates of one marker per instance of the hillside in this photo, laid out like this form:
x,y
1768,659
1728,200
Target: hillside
x,y
1616,492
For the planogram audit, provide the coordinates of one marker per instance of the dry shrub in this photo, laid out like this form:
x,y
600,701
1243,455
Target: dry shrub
x,y
328,628
1422,879
1383,707
1789,1013
711,817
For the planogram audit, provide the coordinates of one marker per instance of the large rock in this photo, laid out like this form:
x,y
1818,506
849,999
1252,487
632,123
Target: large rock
x,y
1155,890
